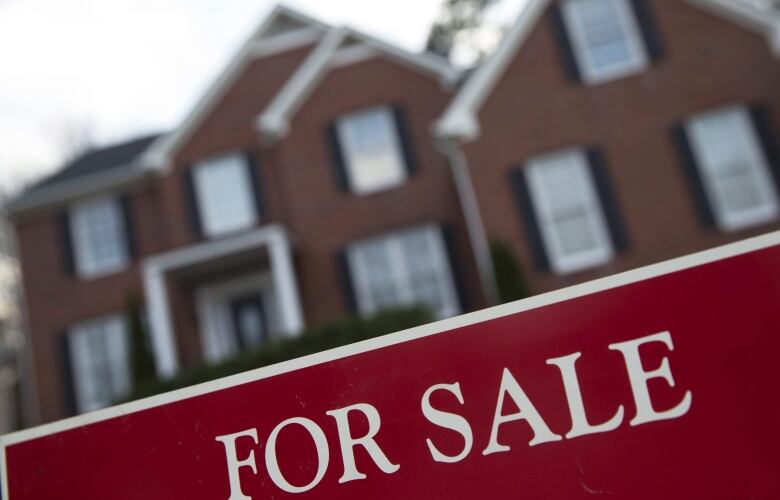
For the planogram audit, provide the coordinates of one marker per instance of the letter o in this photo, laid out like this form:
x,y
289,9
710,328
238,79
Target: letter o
x,y
322,455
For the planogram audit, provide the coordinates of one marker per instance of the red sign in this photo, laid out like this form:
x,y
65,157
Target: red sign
x,y
657,383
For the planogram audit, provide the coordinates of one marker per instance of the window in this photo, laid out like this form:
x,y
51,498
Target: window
x,y
568,211
223,188
403,268
733,169
372,151
99,236
99,361
606,38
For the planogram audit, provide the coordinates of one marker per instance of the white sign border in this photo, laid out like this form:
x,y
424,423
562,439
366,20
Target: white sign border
x,y
614,281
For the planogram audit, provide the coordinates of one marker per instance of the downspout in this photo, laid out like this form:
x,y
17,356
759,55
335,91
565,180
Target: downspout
x,y
474,227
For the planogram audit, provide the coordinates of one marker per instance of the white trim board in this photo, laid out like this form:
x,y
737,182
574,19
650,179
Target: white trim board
x,y
274,121
610,282
460,119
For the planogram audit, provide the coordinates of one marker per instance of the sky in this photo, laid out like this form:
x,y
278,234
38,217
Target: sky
x,y
114,69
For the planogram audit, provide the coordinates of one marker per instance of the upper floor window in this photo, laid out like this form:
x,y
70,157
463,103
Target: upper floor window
x,y
224,194
99,236
403,268
733,169
568,211
371,149
606,38
98,353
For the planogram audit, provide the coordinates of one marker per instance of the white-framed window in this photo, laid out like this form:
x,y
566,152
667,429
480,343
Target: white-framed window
x,y
223,189
99,358
733,168
403,268
568,211
373,157
99,236
606,38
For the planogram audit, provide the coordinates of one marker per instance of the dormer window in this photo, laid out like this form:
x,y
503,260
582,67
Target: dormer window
x,y
224,194
606,39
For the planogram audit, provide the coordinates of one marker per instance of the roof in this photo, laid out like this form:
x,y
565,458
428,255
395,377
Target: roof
x,y
99,160
117,162
460,120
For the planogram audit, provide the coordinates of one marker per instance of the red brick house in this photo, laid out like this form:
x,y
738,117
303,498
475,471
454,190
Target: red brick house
x,y
327,171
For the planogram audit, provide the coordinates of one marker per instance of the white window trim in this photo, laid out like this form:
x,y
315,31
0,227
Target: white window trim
x,y
442,263
639,59
560,263
79,245
350,163
734,222
210,228
81,379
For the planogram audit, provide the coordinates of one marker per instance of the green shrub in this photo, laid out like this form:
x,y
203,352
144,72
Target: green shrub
x,y
510,280
345,331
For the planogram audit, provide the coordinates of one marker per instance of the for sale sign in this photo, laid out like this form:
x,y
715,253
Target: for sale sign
x,y
657,383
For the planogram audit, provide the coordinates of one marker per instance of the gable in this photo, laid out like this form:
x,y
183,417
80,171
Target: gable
x,y
461,119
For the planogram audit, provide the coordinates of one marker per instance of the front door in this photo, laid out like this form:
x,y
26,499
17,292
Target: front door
x,y
248,318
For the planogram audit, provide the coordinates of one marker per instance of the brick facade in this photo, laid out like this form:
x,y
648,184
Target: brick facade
x,y
707,62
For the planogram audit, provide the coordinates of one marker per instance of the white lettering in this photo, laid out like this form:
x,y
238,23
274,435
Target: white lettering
x,y
367,442
639,377
447,420
234,464
571,384
320,442
542,433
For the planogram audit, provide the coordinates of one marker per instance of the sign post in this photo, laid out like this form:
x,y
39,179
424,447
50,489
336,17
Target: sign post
x,y
656,383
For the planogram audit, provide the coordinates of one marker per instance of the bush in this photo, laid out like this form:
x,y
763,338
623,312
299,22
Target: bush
x,y
510,280
345,331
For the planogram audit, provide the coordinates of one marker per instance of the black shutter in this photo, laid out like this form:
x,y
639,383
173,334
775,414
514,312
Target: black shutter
x,y
566,50
609,203
66,371
456,267
345,281
405,137
66,243
191,199
649,27
336,156
693,176
530,222
256,182
767,134
130,237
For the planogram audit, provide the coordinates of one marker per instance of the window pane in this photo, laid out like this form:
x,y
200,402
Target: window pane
x,y
100,365
606,38
568,211
734,169
371,150
404,268
98,232
225,194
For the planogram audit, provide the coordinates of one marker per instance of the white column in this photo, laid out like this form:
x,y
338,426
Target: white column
x,y
163,344
285,286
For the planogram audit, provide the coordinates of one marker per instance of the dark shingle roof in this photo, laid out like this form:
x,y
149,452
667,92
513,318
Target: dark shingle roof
x,y
99,160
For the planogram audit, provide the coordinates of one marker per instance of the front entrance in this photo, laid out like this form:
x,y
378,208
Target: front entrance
x,y
236,315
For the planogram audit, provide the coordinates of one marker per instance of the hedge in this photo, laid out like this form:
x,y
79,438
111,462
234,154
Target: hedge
x,y
345,331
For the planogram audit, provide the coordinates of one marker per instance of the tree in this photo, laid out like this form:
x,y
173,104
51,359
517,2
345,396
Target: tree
x,y
456,24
